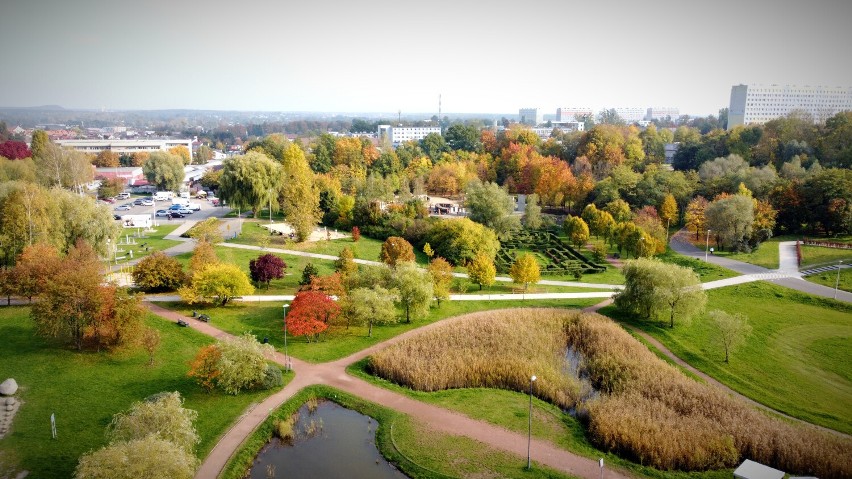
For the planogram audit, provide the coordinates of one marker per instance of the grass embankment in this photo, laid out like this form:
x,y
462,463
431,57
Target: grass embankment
x,y
84,390
814,256
266,320
794,359
415,448
830,279
648,411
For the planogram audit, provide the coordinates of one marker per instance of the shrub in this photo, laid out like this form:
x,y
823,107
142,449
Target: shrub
x,y
158,272
356,234
272,377
146,457
233,365
163,416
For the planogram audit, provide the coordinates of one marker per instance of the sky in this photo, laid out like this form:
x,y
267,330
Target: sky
x,y
349,56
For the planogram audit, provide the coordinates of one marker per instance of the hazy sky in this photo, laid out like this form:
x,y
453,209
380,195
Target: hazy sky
x,y
382,56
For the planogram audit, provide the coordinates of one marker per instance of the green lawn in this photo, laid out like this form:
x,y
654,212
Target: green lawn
x,y
829,278
706,271
85,389
795,361
766,255
266,320
154,241
822,256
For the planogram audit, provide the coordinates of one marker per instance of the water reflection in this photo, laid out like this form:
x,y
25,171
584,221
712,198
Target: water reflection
x,y
330,442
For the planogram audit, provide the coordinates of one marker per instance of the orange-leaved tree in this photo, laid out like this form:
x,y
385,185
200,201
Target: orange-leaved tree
x,y
205,367
310,314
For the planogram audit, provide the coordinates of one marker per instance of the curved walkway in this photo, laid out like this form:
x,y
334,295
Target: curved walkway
x,y
334,374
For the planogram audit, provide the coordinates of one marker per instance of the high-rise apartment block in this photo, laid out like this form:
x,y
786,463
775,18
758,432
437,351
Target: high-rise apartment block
x,y
661,113
530,116
400,134
631,115
573,113
757,104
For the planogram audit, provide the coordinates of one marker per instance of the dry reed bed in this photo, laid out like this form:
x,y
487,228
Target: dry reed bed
x,y
483,352
648,410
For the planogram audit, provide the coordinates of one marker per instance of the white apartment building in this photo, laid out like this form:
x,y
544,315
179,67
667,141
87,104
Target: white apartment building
x,y
631,114
572,113
654,113
530,116
124,146
757,104
400,134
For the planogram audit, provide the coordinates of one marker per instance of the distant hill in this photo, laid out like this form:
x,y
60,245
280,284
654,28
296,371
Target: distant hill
x,y
34,108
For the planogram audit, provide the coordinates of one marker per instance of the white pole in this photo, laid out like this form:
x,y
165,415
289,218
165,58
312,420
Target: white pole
x,y
529,427
707,245
837,281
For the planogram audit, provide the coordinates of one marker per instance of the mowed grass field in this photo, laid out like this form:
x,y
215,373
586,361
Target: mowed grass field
x,y
266,320
797,359
85,389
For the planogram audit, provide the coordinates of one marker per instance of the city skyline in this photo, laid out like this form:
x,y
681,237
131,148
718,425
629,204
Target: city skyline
x,y
494,57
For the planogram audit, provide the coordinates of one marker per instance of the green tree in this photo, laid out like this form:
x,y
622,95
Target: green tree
x,y
656,289
619,209
434,146
162,416
146,457
28,215
164,170
345,264
242,364
525,270
481,270
396,250
731,219
111,187
442,278
308,274
415,289
208,231
577,230
370,306
729,330
463,137
459,241
250,181
203,154
222,281
83,219
532,212
299,198
203,255
491,205
158,272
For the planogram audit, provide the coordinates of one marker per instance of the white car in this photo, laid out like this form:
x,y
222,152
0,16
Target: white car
x,y
122,208
193,207
161,213
184,211
147,202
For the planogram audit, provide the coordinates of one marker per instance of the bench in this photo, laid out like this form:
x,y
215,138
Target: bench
x,y
182,323
204,317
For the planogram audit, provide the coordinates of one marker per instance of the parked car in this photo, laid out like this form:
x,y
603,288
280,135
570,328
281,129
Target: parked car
x,y
147,202
122,208
138,202
184,211
123,195
116,217
175,214
108,200
161,213
193,206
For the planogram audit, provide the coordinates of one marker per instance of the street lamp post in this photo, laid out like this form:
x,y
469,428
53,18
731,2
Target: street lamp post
x,y
837,281
707,245
286,356
529,426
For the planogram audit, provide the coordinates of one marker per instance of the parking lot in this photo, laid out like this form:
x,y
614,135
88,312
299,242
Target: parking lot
x,y
128,207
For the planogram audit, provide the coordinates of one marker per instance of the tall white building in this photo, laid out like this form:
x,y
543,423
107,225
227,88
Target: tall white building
x,y
657,113
757,104
531,116
572,113
631,114
400,134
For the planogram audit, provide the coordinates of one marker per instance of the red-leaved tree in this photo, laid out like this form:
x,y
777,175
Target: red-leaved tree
x,y
310,314
15,150
266,268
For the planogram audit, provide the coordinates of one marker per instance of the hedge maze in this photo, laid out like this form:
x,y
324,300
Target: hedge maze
x,y
555,256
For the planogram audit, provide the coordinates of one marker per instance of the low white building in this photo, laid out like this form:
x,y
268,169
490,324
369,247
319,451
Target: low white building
x,y
757,104
125,146
398,135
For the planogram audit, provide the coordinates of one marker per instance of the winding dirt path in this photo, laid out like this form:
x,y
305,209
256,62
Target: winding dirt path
x,y
334,374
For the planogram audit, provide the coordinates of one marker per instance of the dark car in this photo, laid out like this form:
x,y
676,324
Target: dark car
x,y
174,214
116,217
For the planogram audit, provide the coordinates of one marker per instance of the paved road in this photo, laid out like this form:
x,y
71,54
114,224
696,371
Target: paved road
x,y
334,374
786,275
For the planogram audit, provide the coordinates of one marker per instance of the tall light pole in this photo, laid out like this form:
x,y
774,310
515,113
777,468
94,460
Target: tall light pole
x,y
837,281
286,356
529,426
707,245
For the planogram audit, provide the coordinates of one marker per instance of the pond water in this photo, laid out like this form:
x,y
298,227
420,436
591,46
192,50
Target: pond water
x,y
331,442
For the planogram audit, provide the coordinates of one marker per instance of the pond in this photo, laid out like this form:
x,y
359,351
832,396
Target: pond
x,y
329,442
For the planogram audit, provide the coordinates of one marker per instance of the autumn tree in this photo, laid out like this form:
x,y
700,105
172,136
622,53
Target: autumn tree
x,y
370,306
203,154
145,457
181,152
208,231
162,416
442,278
243,363
164,170
656,289
310,314
158,272
265,268
203,255
396,250
28,215
459,241
219,282
106,159
491,205
150,342
668,210
481,270
204,368
729,330
525,270
118,321
331,285
345,264
35,267
110,187
415,289
695,215
577,230
299,198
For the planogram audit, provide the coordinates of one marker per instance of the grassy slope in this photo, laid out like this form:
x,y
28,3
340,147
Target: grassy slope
x,y
265,320
822,256
792,360
829,279
85,389
154,241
